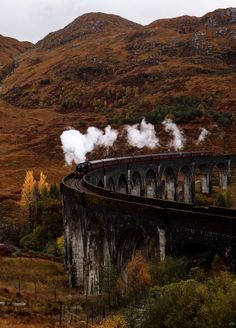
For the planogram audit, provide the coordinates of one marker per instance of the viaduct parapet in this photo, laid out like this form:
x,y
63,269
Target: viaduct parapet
x,y
145,203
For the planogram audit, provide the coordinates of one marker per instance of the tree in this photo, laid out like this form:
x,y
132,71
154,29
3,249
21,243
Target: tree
x,y
190,303
28,191
113,321
28,197
108,281
60,244
40,215
35,240
224,199
54,191
167,271
43,186
136,278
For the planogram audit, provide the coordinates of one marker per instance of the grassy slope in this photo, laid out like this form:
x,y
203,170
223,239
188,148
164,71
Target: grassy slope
x,y
20,133
43,306
30,139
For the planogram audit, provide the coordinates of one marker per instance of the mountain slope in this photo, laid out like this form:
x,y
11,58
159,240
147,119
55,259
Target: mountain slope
x,y
9,49
105,63
91,73
87,25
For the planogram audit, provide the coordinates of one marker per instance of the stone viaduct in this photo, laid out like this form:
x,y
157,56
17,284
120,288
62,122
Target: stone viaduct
x,y
145,203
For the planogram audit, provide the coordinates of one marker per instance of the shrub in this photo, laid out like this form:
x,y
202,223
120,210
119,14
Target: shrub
x,y
51,249
45,82
181,114
54,192
169,270
224,199
68,103
136,278
35,240
17,253
188,303
113,321
82,123
223,118
60,245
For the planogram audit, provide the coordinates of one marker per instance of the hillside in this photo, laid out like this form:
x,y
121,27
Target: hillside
x,y
87,25
9,50
104,69
105,63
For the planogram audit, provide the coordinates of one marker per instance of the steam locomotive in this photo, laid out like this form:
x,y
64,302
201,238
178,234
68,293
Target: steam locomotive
x,y
83,168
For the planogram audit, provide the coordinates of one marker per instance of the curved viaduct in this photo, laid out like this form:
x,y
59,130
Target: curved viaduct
x,y
145,203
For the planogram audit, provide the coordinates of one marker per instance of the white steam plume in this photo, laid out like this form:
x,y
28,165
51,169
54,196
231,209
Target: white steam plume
x,y
108,138
76,145
178,138
142,135
204,133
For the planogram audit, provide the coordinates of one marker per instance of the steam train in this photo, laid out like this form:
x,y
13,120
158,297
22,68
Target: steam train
x,y
83,168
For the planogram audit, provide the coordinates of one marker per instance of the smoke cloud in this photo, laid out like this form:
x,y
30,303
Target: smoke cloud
x,y
204,133
108,138
142,135
178,138
76,145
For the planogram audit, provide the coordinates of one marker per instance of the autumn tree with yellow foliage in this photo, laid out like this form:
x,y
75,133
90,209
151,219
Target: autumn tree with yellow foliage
x,y
60,244
41,214
42,186
113,321
28,196
31,194
28,191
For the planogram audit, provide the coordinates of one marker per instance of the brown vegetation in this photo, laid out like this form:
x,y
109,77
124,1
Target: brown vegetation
x,y
9,50
104,69
103,62
100,69
40,285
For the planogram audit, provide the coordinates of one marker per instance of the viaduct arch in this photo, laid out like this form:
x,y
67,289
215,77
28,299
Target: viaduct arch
x,y
144,203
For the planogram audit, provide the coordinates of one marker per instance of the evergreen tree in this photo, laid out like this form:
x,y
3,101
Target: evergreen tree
x,y
54,191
